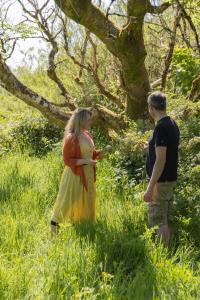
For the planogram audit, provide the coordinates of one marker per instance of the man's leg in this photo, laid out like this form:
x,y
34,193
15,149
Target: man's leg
x,y
164,234
159,210
157,217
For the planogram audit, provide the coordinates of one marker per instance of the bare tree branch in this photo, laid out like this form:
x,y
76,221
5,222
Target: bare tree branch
x,y
26,10
52,74
105,92
184,35
189,19
158,9
44,5
171,48
50,37
109,7
94,70
83,53
91,69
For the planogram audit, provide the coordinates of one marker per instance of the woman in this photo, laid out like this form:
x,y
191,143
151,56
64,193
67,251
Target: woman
x,y
76,197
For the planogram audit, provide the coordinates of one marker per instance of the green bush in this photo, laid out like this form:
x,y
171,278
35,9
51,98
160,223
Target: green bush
x,y
129,155
33,134
186,208
185,68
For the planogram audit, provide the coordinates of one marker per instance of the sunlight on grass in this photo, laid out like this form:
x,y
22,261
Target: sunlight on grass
x,y
115,258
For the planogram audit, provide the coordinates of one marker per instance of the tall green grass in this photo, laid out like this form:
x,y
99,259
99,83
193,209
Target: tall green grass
x,y
115,258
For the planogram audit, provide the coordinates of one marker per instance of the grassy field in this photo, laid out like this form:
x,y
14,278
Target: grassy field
x,y
115,258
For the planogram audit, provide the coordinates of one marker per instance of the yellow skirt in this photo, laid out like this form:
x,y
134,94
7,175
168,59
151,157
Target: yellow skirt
x,y
73,202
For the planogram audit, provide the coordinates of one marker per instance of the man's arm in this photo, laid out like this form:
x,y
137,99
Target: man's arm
x,y
157,171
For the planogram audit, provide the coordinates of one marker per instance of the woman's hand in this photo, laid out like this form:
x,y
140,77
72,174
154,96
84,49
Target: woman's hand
x,y
86,161
90,161
101,154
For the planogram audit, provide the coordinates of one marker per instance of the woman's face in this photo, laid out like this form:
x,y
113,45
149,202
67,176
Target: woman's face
x,y
88,122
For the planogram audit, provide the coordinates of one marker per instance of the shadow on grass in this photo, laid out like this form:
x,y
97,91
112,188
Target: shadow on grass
x,y
121,253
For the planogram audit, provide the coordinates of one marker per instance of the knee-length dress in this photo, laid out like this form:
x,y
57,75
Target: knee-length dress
x,y
76,200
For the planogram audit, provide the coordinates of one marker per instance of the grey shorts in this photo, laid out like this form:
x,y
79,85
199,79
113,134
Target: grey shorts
x,y
159,211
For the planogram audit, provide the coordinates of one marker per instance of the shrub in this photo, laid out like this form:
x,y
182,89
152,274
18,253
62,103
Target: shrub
x,y
33,134
186,67
129,156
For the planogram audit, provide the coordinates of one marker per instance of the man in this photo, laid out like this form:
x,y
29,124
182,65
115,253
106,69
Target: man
x,y
161,165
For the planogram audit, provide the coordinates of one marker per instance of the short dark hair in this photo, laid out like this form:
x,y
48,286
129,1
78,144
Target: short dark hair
x,y
157,100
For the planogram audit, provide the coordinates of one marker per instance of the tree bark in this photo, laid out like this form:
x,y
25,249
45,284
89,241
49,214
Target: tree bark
x,y
132,55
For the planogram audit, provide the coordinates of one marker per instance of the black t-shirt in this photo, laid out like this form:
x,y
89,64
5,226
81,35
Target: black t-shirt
x,y
166,134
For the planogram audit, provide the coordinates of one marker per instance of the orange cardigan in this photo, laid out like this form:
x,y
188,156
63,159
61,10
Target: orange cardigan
x,y
72,152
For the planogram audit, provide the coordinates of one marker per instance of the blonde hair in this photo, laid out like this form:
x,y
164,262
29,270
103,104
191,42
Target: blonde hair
x,y
75,123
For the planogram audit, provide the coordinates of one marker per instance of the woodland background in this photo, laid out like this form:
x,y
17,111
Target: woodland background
x,y
107,55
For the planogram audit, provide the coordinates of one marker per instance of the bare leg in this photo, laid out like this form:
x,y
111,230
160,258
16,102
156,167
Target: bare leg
x,y
164,234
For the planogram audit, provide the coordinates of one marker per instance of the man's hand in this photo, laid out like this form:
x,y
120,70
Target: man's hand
x,y
157,171
148,195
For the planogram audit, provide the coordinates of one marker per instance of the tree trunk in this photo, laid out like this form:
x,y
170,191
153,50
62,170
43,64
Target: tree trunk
x,y
137,93
132,55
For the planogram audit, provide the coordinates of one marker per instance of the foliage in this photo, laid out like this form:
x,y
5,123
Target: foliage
x,y
186,67
33,134
129,156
